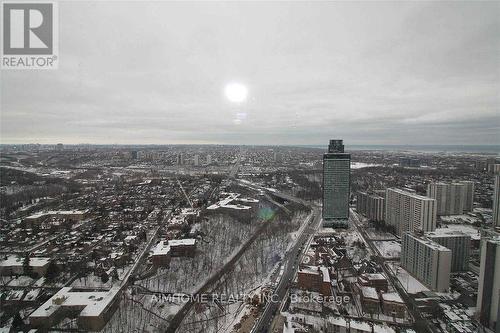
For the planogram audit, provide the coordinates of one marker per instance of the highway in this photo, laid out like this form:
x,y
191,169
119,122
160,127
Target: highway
x,y
293,258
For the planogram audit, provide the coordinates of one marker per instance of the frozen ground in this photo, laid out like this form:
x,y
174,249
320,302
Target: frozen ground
x,y
388,249
408,282
467,229
459,219
379,235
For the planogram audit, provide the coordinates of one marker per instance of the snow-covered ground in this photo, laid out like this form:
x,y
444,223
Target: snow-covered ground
x,y
459,219
388,249
408,282
379,235
359,165
251,275
467,229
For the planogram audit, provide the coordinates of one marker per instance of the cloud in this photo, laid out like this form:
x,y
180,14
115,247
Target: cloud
x,y
154,72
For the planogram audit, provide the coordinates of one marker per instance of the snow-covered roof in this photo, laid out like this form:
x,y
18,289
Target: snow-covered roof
x,y
430,244
459,228
162,248
325,273
130,237
226,202
309,270
373,276
14,260
392,297
410,194
369,292
57,212
93,303
318,322
179,242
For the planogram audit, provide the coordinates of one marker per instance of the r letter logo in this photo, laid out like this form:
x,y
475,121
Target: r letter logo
x,y
29,35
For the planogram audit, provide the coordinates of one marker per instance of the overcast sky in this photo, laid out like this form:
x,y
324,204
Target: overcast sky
x,y
367,72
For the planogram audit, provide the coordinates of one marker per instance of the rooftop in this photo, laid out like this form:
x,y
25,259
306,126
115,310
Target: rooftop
x,y
413,195
14,260
392,297
369,292
93,303
429,243
445,232
161,248
56,212
178,242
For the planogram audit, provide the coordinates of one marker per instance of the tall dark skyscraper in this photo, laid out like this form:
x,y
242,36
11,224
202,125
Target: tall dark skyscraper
x,y
488,295
336,185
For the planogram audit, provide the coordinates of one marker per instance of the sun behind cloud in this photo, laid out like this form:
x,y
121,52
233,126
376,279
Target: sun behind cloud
x,y
236,92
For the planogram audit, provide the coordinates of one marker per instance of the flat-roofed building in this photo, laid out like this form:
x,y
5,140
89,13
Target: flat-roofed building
x,y
369,299
326,284
459,244
371,205
450,198
375,280
295,323
428,261
68,215
182,247
393,305
469,195
336,185
14,265
488,295
309,278
409,212
496,202
93,308
314,278
161,254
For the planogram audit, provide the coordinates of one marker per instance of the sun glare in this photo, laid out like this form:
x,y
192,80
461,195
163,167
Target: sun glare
x,y
236,92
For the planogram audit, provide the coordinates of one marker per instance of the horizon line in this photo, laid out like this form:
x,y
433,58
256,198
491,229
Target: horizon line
x,y
250,144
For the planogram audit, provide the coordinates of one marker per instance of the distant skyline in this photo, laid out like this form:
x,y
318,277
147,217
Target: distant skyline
x,y
398,73
487,149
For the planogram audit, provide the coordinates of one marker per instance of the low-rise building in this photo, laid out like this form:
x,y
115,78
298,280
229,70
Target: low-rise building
x,y
182,247
68,215
369,299
93,308
15,265
309,278
314,278
393,305
375,280
161,254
